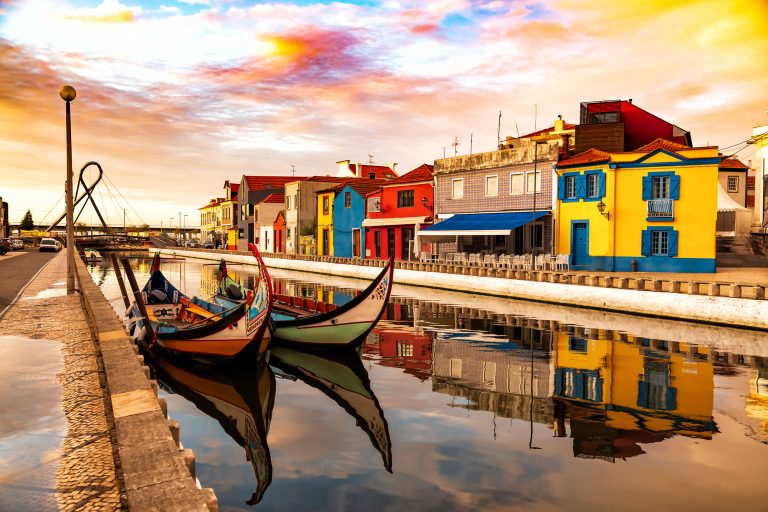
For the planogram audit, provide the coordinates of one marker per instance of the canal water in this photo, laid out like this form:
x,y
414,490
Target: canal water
x,y
460,402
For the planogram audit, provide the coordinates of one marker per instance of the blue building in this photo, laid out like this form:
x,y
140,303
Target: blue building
x,y
348,216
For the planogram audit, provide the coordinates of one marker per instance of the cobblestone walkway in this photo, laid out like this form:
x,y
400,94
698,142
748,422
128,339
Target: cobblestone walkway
x,y
85,475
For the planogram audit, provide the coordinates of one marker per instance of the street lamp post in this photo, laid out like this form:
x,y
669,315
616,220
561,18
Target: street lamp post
x,y
182,231
184,227
68,94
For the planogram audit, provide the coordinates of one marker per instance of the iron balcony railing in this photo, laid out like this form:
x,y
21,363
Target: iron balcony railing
x,y
658,208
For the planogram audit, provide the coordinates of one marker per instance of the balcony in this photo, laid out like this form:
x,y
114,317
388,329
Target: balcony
x,y
661,209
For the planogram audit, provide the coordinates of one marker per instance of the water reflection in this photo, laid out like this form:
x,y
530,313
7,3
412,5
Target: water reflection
x,y
574,389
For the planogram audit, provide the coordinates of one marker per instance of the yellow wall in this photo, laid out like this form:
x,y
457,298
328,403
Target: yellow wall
x,y
695,212
325,221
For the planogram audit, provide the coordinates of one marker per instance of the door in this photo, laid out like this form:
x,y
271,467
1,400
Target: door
x,y
406,237
580,244
519,242
325,243
356,243
390,242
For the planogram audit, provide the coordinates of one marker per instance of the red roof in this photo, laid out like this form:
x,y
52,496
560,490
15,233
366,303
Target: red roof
x,y
730,162
212,203
661,143
424,172
259,182
546,131
274,198
590,156
234,187
364,187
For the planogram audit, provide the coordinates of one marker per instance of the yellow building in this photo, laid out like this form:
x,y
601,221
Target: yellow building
x,y
210,221
654,386
653,209
325,222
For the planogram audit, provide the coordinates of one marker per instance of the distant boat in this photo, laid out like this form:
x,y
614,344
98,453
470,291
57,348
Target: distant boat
x,y
240,400
91,254
341,376
301,324
202,330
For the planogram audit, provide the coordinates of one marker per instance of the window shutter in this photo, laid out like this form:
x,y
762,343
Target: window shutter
x,y
674,187
672,244
647,188
601,184
561,187
645,244
581,186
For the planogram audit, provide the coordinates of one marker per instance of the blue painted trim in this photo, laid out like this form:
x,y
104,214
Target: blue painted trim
x,y
655,152
598,197
682,163
651,264
570,247
659,219
576,198
661,173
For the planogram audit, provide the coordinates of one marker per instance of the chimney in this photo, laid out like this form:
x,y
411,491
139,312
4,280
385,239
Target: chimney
x,y
566,145
392,165
559,124
343,167
359,170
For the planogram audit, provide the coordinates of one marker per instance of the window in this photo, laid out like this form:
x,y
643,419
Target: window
x,y
287,202
404,198
593,185
377,243
404,349
529,182
373,204
660,187
733,183
516,183
325,205
457,188
371,175
570,187
347,200
576,344
491,186
536,234
288,233
659,243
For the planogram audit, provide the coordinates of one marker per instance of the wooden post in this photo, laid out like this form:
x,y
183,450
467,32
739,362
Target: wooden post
x,y
120,281
134,288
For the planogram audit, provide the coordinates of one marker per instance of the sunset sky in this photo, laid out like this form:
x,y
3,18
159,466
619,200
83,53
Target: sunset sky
x,y
174,97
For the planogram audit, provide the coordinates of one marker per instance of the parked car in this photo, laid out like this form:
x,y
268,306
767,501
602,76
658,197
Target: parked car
x,y
193,244
5,246
208,245
17,244
49,244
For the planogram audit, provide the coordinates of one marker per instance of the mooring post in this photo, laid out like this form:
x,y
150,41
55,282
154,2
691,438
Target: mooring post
x,y
120,281
134,288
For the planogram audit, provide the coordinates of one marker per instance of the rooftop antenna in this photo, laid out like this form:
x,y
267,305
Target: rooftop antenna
x,y
370,159
498,132
455,145
471,139
517,130
293,169
535,115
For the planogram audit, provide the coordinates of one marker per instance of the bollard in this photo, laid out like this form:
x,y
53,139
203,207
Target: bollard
x,y
163,406
656,285
174,427
189,460
674,286
714,289
153,385
639,284
623,283
609,282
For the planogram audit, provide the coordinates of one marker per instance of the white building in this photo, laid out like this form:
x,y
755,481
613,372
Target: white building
x,y
760,160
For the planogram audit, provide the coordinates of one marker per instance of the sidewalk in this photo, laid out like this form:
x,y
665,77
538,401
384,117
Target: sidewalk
x,y
81,458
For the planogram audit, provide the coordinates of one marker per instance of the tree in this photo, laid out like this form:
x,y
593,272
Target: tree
x,y
27,223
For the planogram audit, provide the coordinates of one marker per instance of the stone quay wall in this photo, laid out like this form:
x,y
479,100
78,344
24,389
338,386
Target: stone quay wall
x,y
157,473
694,298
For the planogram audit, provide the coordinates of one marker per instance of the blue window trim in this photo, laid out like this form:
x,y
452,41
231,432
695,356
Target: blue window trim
x,y
600,186
576,198
672,242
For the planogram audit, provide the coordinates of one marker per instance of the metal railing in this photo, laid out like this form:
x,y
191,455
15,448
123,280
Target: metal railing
x,y
661,208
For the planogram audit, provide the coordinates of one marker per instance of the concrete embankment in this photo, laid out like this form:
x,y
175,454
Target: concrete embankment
x,y
704,301
156,473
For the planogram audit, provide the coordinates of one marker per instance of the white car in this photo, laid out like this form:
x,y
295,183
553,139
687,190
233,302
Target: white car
x,y
49,244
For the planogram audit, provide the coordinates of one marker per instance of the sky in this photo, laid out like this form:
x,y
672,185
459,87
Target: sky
x,y
175,97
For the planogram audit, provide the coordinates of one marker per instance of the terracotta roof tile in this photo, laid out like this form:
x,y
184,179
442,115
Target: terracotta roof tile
x,y
732,163
424,172
274,198
259,182
234,187
589,156
379,171
661,143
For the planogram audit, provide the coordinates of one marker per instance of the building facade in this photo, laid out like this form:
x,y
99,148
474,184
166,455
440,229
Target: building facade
x,y
301,212
325,221
229,215
264,215
396,211
210,222
279,230
5,229
253,190
348,216
760,210
650,210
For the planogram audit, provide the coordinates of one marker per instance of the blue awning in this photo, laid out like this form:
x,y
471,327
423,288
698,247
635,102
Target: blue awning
x,y
463,224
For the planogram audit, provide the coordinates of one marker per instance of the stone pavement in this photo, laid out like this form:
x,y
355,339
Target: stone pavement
x,y
85,475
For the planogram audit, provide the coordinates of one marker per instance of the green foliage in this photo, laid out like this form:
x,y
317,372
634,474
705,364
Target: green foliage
x,y
27,223
308,230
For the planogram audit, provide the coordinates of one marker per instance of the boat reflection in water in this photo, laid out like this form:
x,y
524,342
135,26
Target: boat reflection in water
x,y
241,401
341,376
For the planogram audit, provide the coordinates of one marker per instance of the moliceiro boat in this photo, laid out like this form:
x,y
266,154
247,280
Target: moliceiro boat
x,y
345,325
205,331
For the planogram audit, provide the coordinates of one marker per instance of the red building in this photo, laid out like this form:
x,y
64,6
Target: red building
x,y
396,211
402,347
279,228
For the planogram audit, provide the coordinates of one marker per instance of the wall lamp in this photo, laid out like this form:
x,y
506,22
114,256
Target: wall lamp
x,y
424,202
379,208
601,206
